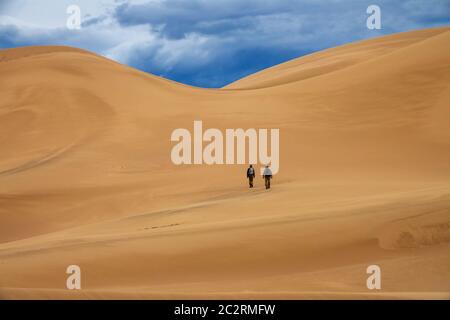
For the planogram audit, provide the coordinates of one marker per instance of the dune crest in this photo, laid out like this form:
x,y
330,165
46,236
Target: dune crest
x,y
334,59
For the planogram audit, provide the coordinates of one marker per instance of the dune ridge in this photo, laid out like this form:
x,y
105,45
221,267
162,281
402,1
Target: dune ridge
x,y
86,177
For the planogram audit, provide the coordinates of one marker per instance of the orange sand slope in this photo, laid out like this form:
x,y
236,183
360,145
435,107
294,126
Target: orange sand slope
x,y
86,177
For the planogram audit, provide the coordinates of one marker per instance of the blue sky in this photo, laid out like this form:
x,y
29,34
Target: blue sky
x,y
209,43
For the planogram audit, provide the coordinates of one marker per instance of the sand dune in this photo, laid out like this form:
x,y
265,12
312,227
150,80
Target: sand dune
x,y
86,177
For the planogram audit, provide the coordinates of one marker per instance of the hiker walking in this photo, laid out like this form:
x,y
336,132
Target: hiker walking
x,y
267,175
250,175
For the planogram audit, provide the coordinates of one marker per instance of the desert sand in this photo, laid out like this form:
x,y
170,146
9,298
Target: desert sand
x,y
86,177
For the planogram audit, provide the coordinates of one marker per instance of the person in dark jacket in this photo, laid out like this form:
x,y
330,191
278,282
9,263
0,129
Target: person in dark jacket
x,y
250,175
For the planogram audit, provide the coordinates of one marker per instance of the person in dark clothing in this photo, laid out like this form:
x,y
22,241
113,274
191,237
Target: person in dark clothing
x,y
250,175
267,175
